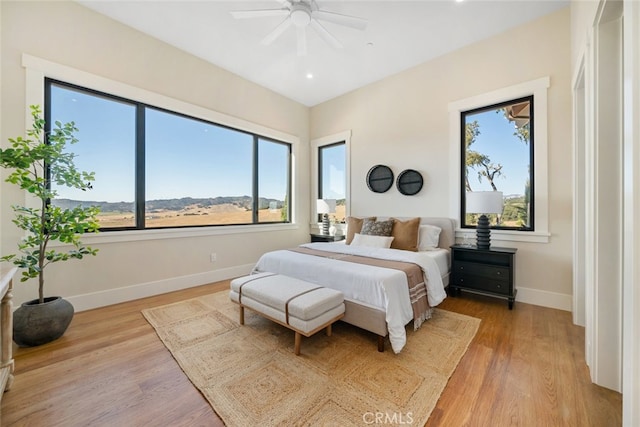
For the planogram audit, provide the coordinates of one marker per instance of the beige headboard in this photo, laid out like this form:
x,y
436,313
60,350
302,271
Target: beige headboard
x,y
448,226
448,233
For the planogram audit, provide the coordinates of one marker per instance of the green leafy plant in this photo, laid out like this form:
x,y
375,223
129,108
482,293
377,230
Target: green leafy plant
x,y
38,161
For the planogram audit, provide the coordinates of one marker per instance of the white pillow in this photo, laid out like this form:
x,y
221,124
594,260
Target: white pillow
x,y
371,241
428,237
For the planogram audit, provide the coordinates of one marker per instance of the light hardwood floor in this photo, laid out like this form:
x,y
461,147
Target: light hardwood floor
x,y
524,367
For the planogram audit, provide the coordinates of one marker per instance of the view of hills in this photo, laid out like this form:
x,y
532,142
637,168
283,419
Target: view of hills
x,y
182,204
184,211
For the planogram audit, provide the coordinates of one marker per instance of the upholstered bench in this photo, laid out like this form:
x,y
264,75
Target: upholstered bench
x,y
300,306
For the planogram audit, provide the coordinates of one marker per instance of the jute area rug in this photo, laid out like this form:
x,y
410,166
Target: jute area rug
x,y
251,377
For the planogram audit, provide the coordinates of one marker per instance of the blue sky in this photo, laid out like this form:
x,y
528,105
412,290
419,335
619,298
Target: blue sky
x,y
190,158
333,172
184,157
496,140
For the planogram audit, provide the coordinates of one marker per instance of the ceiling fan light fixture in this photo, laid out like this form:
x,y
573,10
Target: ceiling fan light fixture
x,y
300,16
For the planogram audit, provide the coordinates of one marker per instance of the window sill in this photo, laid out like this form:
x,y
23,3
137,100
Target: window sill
x,y
508,235
177,233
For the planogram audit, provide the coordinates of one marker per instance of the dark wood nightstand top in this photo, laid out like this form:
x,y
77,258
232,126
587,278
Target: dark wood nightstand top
x,y
325,238
491,249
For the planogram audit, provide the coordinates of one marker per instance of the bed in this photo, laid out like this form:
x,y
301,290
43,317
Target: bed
x,y
378,299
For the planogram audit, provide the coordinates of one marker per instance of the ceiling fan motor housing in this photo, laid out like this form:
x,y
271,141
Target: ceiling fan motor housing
x,y
300,15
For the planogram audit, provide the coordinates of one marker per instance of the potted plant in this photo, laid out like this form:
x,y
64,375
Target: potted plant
x,y
38,161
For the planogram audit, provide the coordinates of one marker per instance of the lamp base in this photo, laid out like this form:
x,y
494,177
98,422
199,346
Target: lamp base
x,y
483,233
325,224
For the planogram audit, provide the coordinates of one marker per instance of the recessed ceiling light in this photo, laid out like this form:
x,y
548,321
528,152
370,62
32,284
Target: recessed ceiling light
x,y
309,75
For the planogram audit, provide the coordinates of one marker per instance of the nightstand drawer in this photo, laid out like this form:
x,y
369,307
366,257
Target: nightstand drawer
x,y
482,270
482,284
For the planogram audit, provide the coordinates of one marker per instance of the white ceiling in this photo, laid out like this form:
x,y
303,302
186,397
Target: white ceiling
x,y
399,35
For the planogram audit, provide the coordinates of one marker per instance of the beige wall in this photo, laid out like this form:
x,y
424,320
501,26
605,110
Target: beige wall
x,y
403,122
69,34
582,18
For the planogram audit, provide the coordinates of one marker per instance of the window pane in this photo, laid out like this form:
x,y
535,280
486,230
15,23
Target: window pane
x,y
106,146
332,179
197,173
498,156
273,181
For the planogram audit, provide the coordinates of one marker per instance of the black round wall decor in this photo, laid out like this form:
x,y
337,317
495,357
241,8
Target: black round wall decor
x,y
379,178
409,182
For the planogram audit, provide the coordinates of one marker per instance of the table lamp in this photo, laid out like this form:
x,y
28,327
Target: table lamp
x,y
325,207
484,202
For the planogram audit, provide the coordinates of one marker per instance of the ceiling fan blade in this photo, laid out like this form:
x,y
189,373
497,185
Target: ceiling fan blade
x,y
258,13
302,41
340,19
285,3
325,35
276,32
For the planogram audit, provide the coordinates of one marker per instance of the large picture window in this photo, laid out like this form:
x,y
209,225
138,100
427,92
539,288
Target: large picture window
x,y
158,169
497,147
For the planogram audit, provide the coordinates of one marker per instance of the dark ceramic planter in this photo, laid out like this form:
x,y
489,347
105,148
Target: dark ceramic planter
x,y
36,324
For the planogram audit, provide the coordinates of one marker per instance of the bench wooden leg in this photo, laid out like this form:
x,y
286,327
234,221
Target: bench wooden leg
x,y
380,343
297,343
329,330
241,315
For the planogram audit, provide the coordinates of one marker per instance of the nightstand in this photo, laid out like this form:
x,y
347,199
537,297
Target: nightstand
x,y
484,271
325,238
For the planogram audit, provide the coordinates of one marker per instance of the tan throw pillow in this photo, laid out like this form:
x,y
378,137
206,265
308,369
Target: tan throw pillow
x,y
405,234
354,225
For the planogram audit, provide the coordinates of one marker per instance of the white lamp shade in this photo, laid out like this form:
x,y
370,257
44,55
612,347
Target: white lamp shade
x,y
484,202
326,206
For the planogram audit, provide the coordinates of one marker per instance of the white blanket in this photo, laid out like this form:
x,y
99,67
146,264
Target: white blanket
x,y
383,288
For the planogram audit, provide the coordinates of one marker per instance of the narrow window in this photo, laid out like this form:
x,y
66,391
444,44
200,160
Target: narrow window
x,y
332,176
274,175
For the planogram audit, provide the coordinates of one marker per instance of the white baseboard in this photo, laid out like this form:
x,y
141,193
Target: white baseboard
x,y
545,298
143,290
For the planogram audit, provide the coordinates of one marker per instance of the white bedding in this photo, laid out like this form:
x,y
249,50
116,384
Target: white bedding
x,y
441,257
379,287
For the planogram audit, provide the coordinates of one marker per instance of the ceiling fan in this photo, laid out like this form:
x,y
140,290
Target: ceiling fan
x,y
302,14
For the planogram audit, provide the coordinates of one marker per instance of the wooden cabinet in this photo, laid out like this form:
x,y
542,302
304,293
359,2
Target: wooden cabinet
x,y
6,331
484,271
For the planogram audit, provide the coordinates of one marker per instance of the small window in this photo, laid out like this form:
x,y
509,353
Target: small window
x,y
497,155
332,182
274,160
